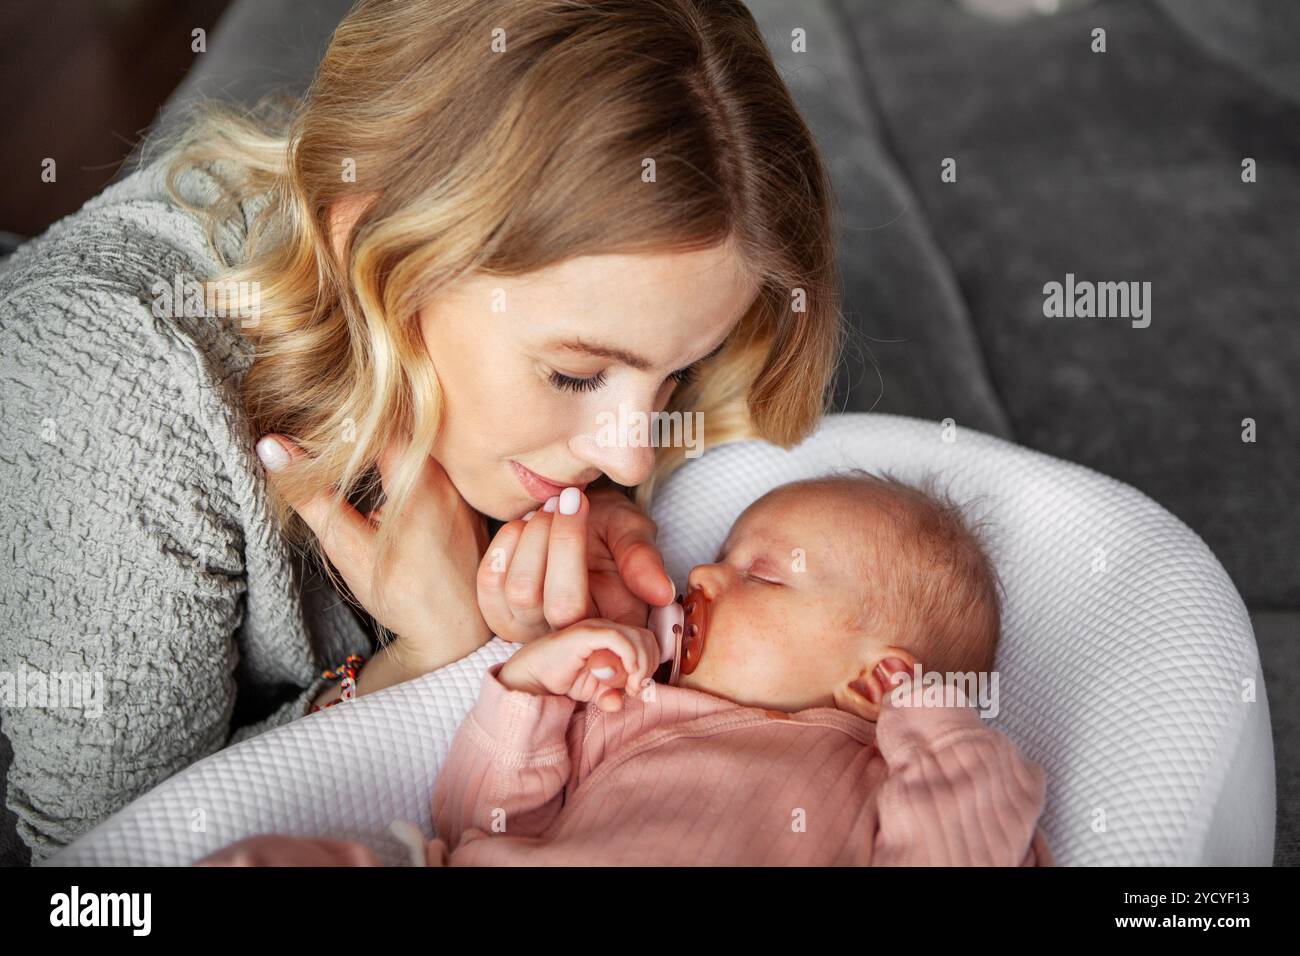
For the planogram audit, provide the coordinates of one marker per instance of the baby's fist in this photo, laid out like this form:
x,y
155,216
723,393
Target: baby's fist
x,y
593,660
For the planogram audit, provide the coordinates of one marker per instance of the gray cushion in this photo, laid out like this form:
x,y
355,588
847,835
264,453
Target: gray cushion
x,y
1255,36
259,47
1117,166
912,351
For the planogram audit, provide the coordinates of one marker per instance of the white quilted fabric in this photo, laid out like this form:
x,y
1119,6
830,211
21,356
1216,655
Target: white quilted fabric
x,y
1128,670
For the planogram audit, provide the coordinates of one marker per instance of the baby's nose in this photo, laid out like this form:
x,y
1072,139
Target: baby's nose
x,y
709,578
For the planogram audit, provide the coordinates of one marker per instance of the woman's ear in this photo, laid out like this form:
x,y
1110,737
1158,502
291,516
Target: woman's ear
x,y
865,693
343,215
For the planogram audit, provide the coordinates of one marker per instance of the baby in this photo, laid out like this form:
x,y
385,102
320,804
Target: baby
x,y
792,733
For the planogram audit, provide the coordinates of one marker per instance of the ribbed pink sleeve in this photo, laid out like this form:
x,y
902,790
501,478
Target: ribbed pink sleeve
x,y
958,792
507,765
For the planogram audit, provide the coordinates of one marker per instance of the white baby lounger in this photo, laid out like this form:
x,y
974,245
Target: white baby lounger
x,y
1128,670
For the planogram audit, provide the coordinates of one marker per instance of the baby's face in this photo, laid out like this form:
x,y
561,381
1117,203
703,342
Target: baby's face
x,y
784,592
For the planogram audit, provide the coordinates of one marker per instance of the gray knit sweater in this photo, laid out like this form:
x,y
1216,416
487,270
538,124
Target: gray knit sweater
x,y
139,555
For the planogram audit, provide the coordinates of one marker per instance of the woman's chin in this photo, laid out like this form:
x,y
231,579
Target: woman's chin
x,y
506,508
496,506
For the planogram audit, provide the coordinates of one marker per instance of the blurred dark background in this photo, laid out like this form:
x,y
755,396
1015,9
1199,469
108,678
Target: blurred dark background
x,y
83,79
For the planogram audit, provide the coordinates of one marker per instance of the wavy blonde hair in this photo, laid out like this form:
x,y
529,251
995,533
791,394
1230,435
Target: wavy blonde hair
x,y
505,161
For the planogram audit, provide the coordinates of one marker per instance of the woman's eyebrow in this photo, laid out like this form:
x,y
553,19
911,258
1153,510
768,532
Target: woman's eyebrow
x,y
713,354
601,351
630,359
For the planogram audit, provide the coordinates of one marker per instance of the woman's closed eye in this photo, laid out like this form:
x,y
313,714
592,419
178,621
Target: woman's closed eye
x,y
570,383
567,383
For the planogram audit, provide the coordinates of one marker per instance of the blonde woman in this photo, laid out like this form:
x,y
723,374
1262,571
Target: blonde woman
x,y
488,227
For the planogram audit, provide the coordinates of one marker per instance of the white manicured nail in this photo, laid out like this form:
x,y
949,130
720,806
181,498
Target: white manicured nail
x,y
570,501
529,516
411,837
551,502
602,673
272,453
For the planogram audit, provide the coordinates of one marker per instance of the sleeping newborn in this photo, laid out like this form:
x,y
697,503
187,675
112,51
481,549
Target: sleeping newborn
x,y
793,732
819,582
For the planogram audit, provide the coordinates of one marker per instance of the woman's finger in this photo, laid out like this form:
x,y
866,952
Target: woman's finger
x,y
610,670
388,460
345,534
430,500
631,659
641,567
606,667
526,576
629,534
621,641
566,599
274,849
491,581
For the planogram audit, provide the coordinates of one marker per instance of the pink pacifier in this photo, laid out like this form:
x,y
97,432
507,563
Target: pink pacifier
x,y
681,628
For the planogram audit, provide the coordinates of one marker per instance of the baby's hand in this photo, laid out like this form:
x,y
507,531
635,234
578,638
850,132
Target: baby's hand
x,y
895,678
587,661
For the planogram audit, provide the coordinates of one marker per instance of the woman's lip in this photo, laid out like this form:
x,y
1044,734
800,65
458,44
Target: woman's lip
x,y
539,488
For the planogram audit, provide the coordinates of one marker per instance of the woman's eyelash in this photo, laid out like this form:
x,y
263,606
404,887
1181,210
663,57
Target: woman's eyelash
x,y
570,384
682,376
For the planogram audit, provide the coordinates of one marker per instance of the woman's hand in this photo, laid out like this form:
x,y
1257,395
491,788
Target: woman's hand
x,y
555,569
595,660
429,598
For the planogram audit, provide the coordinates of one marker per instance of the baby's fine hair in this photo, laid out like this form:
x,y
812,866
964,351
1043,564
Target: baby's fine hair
x,y
934,585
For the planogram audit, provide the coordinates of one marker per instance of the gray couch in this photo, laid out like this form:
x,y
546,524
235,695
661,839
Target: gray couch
x,y
1122,166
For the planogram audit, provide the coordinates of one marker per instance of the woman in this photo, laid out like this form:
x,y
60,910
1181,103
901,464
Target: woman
x,y
488,228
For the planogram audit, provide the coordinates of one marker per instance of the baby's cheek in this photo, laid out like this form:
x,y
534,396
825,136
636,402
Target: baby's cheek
x,y
774,651
730,649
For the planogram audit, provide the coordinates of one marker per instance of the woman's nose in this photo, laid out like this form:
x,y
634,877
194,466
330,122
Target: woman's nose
x,y
620,452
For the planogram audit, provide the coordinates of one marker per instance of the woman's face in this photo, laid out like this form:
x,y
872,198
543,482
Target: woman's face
x,y
531,366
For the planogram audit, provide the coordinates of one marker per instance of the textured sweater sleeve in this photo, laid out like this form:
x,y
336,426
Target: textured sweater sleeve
x,y
958,792
507,767
122,576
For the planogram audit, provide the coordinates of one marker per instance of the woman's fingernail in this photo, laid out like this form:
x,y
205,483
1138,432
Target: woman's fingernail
x,y
551,502
272,454
529,515
570,501
602,673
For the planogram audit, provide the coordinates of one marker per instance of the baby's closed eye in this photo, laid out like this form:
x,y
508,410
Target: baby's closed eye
x,y
763,570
